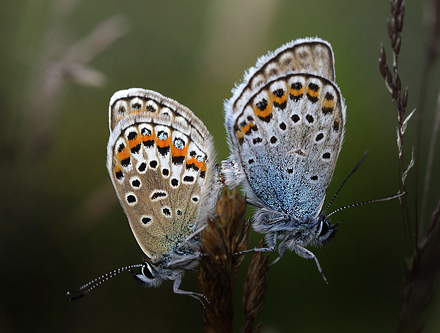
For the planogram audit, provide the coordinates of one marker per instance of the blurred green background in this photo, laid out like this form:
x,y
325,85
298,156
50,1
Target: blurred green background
x,y
61,224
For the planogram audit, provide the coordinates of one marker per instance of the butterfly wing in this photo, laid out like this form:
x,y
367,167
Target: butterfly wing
x,y
160,158
286,129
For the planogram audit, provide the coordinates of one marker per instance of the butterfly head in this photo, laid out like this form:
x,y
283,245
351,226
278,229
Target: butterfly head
x,y
150,275
324,231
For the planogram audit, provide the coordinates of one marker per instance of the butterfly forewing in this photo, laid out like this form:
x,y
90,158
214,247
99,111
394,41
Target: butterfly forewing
x,y
311,56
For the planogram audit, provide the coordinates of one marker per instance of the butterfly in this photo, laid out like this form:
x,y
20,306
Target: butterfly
x,y
285,123
161,160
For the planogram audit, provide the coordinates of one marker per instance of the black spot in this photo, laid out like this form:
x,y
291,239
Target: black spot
x,y
151,108
136,106
119,175
273,72
188,179
290,170
146,220
136,183
126,162
131,198
282,106
163,150
121,109
326,156
174,182
336,126
262,105
251,161
142,166
148,143
158,195
296,86
283,126
319,137
131,135
192,153
192,166
329,97
273,139
178,160
243,123
326,110
121,148
153,164
257,140
295,118
166,211
314,177
202,174
312,99
313,87
278,93
165,172
310,118
179,212
195,199
135,149
266,119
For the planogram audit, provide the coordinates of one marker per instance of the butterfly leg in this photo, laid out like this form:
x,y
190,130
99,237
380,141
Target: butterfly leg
x,y
281,249
272,242
176,285
307,254
184,261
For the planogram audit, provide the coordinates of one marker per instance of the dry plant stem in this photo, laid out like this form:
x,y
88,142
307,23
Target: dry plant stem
x,y
421,279
422,269
226,235
400,99
254,289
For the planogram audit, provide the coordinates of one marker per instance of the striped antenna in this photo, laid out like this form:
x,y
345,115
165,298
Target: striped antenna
x,y
88,287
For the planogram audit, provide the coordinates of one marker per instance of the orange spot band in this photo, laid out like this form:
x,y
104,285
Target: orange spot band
x,y
312,93
265,113
297,92
134,142
328,104
124,154
163,143
178,152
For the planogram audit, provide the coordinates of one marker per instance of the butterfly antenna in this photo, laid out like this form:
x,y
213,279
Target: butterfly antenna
x,y
88,287
345,180
391,197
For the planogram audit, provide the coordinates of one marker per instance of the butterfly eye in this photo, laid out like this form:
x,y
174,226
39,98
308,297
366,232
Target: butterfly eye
x,y
148,271
324,228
